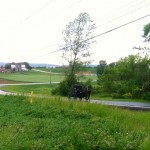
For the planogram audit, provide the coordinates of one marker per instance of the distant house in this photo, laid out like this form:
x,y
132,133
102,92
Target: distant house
x,y
13,67
18,67
23,68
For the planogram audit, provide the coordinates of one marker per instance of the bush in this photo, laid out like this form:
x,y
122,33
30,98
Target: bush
x,y
55,91
127,95
116,95
146,96
65,86
137,93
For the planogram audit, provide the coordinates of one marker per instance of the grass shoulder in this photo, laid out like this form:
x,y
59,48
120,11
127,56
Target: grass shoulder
x,y
109,98
45,89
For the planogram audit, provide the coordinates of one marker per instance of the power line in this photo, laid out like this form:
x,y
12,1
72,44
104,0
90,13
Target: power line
x,y
108,21
72,5
117,27
124,9
38,11
123,15
65,9
101,34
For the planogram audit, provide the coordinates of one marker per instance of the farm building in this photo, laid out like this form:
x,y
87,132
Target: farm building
x,y
18,67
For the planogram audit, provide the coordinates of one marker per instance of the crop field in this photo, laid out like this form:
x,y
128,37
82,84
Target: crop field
x,y
54,123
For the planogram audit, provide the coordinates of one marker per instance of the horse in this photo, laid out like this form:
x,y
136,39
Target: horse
x,y
78,91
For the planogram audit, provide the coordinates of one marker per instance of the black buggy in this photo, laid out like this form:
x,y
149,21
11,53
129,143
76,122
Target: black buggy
x,y
79,91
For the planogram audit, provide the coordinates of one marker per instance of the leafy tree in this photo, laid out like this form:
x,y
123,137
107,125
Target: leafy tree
x,y
101,67
8,66
106,80
77,41
77,38
146,34
27,65
129,76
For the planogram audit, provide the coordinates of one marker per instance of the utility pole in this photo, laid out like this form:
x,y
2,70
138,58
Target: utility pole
x,y
50,74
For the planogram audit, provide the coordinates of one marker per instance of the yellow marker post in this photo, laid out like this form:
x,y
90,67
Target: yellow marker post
x,y
31,96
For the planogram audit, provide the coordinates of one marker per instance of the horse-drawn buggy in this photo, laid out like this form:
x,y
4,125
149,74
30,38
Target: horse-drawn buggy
x,y
79,91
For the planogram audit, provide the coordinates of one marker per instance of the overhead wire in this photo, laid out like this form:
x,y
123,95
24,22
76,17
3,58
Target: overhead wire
x,y
72,5
123,9
108,21
66,9
37,11
100,34
114,19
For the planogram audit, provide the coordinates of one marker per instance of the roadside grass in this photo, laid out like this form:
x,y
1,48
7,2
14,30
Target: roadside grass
x,y
109,98
45,90
38,89
59,124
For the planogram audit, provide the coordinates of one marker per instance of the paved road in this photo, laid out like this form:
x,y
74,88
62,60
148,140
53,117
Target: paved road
x,y
8,93
129,105
4,93
28,83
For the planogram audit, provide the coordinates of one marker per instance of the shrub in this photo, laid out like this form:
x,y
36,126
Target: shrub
x,y
127,95
55,91
137,93
116,95
146,96
65,86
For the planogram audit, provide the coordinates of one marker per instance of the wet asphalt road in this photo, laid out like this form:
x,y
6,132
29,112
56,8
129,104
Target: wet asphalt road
x,y
4,93
128,105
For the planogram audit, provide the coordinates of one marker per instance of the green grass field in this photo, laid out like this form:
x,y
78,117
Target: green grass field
x,y
54,124
61,69
43,90
32,76
38,77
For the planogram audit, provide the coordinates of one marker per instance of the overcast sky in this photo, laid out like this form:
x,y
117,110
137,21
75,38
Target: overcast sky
x,y
30,30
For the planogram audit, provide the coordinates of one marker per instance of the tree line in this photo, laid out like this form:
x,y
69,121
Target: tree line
x,y
127,78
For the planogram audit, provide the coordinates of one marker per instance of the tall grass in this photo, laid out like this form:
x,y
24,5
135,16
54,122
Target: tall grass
x,y
60,124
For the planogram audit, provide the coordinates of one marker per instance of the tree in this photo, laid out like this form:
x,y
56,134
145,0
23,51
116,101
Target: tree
x,y
8,66
77,41
77,38
128,76
100,68
146,34
27,65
